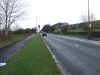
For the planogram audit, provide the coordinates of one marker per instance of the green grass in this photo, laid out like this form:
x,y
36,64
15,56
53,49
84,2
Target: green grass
x,y
81,30
34,59
11,39
75,30
97,30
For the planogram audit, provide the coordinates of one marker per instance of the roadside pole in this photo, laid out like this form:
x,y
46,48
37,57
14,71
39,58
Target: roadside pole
x,y
0,21
39,31
89,25
77,30
39,27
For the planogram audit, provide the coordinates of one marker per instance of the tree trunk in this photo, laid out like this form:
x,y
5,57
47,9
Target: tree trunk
x,y
6,32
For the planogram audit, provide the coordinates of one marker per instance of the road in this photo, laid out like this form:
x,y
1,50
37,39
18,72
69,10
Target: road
x,y
7,52
76,57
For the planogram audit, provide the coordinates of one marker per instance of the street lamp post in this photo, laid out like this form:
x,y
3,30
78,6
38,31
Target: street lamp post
x,y
0,21
89,25
88,11
38,26
77,30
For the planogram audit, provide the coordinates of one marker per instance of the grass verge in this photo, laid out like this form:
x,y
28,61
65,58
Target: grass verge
x,y
11,39
34,59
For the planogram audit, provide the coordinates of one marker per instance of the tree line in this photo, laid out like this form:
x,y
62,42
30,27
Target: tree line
x,y
74,29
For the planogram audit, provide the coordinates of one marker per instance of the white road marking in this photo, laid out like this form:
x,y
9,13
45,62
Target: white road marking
x,y
76,45
81,39
2,64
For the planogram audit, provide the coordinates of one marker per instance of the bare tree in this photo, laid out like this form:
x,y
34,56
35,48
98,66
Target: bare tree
x,y
92,19
84,18
10,11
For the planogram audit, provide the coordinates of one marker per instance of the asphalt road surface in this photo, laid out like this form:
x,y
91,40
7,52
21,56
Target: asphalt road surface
x,y
8,52
77,57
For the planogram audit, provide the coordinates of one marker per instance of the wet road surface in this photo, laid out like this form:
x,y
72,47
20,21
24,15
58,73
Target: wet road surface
x,y
8,52
76,57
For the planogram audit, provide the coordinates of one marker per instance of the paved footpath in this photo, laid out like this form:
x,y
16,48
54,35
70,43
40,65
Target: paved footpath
x,y
8,52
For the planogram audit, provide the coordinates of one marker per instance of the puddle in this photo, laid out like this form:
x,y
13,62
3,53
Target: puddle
x,y
2,64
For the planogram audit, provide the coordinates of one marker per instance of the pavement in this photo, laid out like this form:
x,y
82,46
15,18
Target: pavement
x,y
77,56
9,51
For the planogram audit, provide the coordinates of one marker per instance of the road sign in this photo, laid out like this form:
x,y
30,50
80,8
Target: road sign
x,y
38,26
90,25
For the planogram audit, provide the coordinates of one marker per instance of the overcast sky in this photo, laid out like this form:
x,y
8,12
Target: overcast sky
x,y
54,11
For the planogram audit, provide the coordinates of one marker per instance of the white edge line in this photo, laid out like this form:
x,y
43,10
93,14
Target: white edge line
x,y
60,67
80,39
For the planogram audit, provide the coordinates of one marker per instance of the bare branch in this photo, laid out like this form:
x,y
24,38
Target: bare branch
x,y
10,11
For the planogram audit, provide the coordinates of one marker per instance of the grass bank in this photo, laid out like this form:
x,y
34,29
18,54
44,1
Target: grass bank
x,y
34,59
6,40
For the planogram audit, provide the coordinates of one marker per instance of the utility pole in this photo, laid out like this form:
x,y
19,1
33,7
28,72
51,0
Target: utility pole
x,y
39,27
50,29
37,21
77,30
0,21
89,25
